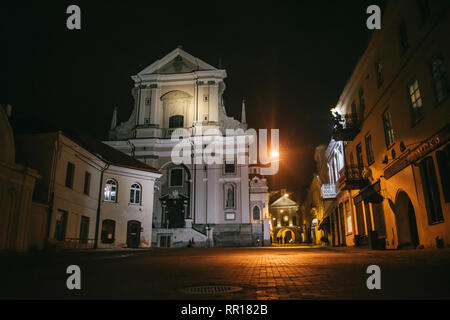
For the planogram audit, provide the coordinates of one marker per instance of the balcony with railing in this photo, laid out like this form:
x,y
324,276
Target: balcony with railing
x,y
179,132
346,127
352,178
329,191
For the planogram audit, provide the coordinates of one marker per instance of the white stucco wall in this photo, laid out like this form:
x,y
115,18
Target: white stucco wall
x,y
122,211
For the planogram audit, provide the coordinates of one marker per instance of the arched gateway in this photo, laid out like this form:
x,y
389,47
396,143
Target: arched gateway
x,y
406,221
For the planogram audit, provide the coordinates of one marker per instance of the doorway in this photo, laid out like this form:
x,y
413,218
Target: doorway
x,y
286,236
133,234
405,215
164,241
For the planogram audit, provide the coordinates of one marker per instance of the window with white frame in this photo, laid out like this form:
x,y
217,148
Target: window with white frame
x,y
110,190
416,102
135,194
388,129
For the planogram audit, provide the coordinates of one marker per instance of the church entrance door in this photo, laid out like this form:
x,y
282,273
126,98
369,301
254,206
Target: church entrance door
x,y
175,213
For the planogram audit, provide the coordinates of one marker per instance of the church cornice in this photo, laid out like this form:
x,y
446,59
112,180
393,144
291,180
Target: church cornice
x,y
209,75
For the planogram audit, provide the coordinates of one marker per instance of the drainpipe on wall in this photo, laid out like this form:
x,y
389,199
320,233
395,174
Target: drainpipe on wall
x,y
97,219
52,191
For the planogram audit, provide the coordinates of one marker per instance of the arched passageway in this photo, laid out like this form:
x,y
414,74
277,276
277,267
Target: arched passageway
x,y
286,236
405,217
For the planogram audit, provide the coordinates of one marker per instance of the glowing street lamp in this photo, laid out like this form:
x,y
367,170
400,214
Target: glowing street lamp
x,y
274,154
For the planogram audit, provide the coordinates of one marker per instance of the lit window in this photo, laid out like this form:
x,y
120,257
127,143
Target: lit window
x,y
135,194
285,221
440,80
416,102
388,129
110,190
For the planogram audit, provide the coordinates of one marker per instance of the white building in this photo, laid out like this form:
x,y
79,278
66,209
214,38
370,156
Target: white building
x,y
337,223
203,204
97,196
259,205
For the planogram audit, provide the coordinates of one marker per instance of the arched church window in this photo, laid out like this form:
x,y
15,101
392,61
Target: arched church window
x,y
229,196
256,213
110,190
176,121
135,194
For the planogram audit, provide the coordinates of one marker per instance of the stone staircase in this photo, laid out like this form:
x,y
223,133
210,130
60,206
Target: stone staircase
x,y
233,236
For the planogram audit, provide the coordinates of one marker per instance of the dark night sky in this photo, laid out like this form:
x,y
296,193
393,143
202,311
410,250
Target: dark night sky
x,y
288,59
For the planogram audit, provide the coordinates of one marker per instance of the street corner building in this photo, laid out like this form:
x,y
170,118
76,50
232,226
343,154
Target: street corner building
x,y
82,194
195,204
385,175
285,222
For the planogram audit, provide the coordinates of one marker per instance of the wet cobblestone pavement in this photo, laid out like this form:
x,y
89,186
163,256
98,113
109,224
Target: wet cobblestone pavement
x,y
275,273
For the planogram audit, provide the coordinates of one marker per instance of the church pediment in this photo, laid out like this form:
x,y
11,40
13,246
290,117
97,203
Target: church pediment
x,y
177,65
283,202
177,61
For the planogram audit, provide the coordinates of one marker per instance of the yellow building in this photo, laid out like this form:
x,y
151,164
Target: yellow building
x,y
393,116
284,220
313,213
22,220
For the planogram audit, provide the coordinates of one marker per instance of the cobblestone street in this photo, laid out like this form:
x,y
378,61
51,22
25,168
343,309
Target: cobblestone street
x,y
263,273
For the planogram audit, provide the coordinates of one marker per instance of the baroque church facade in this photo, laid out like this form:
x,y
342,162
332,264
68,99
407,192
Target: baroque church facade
x,y
197,204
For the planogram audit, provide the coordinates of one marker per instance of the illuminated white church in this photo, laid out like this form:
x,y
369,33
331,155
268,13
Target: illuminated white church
x,y
199,205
